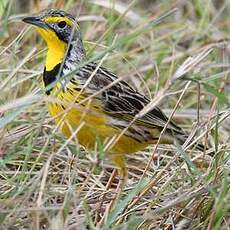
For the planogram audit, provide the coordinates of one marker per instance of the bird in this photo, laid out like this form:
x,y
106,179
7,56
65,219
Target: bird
x,y
89,102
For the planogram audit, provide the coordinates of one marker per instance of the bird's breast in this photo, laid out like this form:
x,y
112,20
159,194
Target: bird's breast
x,y
72,110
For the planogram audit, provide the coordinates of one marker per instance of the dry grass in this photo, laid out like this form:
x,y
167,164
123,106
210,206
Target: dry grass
x,y
176,52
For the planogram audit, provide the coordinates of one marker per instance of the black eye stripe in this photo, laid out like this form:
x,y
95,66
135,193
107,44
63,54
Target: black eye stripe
x,y
62,34
62,24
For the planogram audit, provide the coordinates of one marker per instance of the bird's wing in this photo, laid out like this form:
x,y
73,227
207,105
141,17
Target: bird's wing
x,y
122,102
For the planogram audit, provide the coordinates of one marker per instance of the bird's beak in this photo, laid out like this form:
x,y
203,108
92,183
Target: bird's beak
x,y
35,21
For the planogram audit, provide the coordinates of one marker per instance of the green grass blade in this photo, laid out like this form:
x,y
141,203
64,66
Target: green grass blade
x,y
123,203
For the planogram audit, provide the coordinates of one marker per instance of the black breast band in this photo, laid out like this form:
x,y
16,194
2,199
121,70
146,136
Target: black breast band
x,y
50,76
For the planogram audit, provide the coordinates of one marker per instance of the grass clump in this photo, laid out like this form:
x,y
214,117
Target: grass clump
x,y
177,53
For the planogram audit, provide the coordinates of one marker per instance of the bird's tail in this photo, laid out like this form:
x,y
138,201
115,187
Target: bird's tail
x,y
182,138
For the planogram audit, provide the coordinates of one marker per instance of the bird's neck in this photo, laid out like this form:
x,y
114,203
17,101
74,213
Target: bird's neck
x,y
75,53
55,54
58,57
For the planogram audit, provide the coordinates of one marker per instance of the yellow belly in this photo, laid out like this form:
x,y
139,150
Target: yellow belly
x,y
92,127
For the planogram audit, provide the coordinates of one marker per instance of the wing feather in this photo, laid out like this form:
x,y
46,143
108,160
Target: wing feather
x,y
121,101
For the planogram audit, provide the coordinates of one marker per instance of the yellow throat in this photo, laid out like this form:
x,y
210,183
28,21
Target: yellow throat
x,y
56,48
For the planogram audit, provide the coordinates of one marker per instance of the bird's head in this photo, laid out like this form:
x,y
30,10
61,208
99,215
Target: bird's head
x,y
53,25
57,28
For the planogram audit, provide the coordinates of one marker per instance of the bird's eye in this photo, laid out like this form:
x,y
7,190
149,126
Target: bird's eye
x,y
62,24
